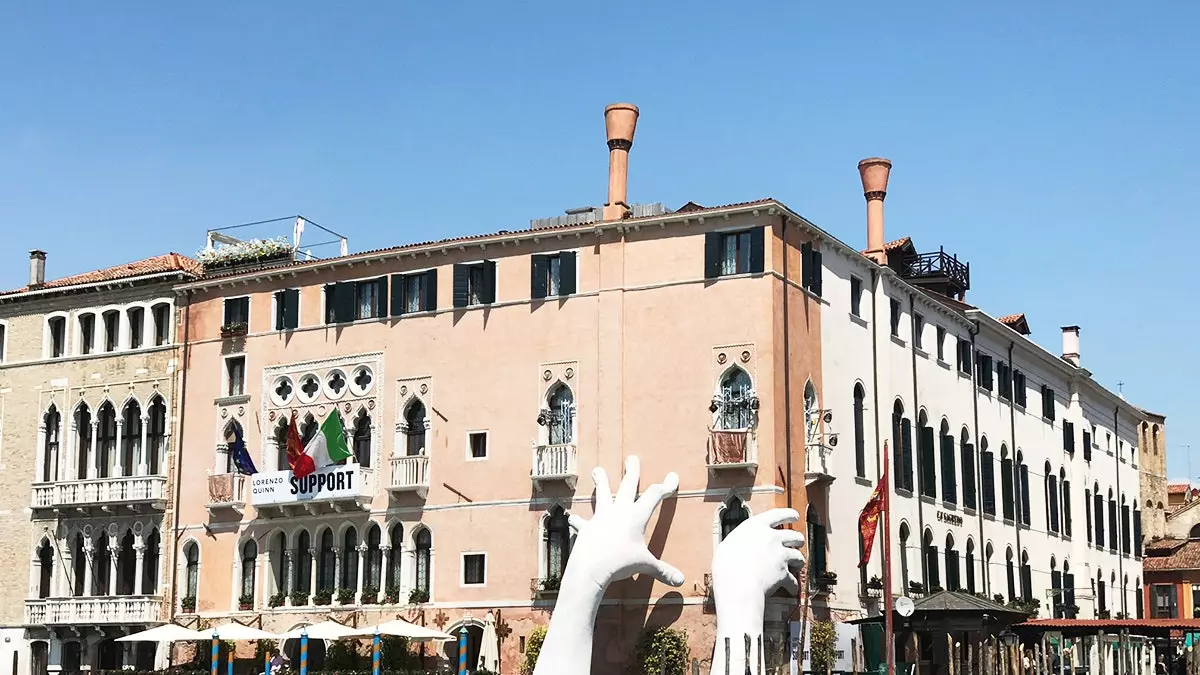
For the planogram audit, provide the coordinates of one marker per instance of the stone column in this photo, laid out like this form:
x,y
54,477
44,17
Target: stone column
x,y
89,554
127,656
66,567
35,575
68,467
139,552
337,570
266,575
54,655
118,456
384,554
41,454
289,560
312,575
94,465
144,449
362,558
114,555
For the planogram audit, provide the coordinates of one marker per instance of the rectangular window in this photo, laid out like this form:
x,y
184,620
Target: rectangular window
x,y
967,451
1087,446
727,253
1047,403
928,467
985,374
58,336
856,290
415,292
1069,436
348,301
235,376
552,276
949,476
1008,496
287,309
137,323
474,567
112,330
812,270
87,333
896,314
477,444
1018,385
162,324
237,311
964,356
1164,601
987,473
3,335
941,343
1004,376
475,284
918,330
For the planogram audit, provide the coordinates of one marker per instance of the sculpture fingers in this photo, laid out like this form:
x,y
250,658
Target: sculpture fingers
x,y
629,484
653,496
577,522
791,538
790,584
662,571
603,490
794,558
776,517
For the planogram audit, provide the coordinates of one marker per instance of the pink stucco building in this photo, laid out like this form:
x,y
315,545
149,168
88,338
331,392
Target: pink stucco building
x,y
479,380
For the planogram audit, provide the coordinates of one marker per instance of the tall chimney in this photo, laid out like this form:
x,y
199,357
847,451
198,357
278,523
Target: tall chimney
x,y
620,121
37,268
874,173
1071,345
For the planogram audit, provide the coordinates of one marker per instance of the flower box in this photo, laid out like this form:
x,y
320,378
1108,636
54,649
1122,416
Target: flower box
x,y
248,253
323,597
234,330
188,604
418,596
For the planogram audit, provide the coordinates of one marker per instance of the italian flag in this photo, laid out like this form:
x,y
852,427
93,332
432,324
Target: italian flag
x,y
326,448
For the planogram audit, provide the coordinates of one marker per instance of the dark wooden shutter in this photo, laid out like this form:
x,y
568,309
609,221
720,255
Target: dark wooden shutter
x,y
489,282
1007,493
712,255
1068,581
343,302
906,441
1087,512
398,289
931,566
1069,436
1066,507
987,471
567,273
381,297
228,312
462,285
928,462
1055,598
806,264
1087,446
817,273
757,245
1024,494
949,487
291,308
1137,533
538,265
280,308
429,301
1052,497
330,303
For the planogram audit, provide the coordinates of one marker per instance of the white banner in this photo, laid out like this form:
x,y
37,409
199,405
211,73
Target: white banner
x,y
331,482
847,634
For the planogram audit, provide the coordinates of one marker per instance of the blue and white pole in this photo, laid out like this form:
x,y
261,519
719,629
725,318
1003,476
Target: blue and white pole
x,y
462,651
303,651
216,653
375,653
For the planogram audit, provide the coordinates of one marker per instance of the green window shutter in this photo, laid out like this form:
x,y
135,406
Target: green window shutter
x,y
429,301
538,266
757,249
462,285
712,255
567,264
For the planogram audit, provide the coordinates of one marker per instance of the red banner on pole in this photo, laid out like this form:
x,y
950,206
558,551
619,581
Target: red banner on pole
x,y
868,520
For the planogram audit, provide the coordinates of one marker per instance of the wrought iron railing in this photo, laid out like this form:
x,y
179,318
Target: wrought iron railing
x,y
938,264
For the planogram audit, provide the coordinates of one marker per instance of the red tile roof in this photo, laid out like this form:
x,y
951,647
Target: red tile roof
x,y
1016,322
1177,488
899,243
159,264
1111,625
1186,557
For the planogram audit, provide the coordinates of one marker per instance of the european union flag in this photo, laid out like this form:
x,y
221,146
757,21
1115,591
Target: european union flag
x,y
237,450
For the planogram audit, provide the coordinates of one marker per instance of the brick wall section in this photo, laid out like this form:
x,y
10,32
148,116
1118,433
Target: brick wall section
x,y
1152,462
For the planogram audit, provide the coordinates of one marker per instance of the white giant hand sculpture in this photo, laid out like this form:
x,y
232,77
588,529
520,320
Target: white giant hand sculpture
x,y
609,547
750,564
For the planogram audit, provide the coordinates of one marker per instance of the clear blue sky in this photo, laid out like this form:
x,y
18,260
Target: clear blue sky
x,y
1055,147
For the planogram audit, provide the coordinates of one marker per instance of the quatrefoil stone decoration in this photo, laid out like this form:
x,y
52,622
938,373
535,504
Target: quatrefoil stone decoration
x,y
363,379
337,383
284,389
310,386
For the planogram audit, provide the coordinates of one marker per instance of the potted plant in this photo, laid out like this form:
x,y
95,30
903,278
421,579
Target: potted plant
x,y
246,602
875,584
252,251
277,600
234,329
551,584
345,596
916,588
1102,614
188,604
370,595
999,598
391,595
418,596
299,598
1070,611
323,597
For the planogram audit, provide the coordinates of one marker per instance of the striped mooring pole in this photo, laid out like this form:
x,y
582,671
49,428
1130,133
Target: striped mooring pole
x,y
375,653
303,652
267,663
462,651
229,661
216,653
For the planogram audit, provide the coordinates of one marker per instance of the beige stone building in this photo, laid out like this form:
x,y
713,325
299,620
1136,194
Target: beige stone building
x,y
88,386
1152,480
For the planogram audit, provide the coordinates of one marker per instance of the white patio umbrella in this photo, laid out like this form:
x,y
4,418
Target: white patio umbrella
x,y
168,632
489,646
326,630
236,631
404,629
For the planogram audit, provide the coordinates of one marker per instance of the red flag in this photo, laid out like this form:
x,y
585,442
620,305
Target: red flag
x,y
868,520
301,464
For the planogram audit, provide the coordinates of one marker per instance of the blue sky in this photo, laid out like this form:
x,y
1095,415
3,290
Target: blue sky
x,y
1053,147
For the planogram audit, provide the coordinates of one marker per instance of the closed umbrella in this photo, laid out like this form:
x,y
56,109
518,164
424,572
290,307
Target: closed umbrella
x,y
236,632
404,629
489,647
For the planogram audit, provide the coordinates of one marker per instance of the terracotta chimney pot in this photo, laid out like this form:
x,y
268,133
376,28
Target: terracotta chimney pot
x,y
620,123
874,173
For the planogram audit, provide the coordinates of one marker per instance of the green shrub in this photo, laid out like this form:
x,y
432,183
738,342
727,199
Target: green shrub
x,y
533,647
822,645
661,651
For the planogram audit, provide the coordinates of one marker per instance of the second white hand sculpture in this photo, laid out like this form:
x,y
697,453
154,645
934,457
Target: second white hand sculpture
x,y
751,562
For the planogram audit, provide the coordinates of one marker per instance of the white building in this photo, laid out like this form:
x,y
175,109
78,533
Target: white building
x,y
1014,473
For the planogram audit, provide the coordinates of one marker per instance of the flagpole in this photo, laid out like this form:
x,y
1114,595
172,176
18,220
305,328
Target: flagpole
x,y
889,640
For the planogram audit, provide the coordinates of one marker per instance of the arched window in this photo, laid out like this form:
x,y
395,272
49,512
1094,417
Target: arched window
x,y
987,476
988,552
1010,572
308,430
52,422
131,437
949,473
83,442
812,413
933,580
326,562
280,435
191,570
970,565
45,556
374,562
249,563
1070,609
734,405
279,567
137,326
232,429
560,415
1125,533
860,436
424,546
902,448
303,559
79,559
350,559
557,542
396,539
1056,604
1137,531
952,568
162,323
126,560
925,439
1114,528
816,542
414,420
106,437
1026,577
904,557
1007,494
1101,596
733,515
362,438
149,578
1050,492
101,565
1098,514
156,436
1065,487
1023,475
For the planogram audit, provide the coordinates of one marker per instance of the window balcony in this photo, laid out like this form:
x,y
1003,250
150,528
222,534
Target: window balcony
x,y
733,450
339,488
554,463
226,492
816,463
410,474
545,587
133,493
122,609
